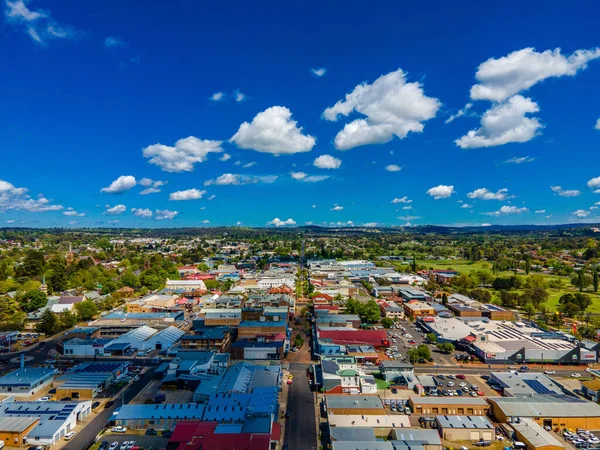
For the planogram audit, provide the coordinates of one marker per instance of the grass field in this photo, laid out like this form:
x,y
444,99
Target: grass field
x,y
464,266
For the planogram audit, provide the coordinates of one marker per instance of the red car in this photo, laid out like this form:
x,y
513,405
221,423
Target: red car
x,y
480,393
460,376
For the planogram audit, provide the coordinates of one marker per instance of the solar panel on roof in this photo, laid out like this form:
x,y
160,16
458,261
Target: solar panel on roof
x,y
538,387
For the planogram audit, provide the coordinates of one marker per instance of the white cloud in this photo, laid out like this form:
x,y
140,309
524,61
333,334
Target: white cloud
x,y
149,191
302,176
486,224
273,131
153,186
189,194
17,199
519,160
298,175
206,222
581,213
225,157
392,107
319,72
370,224
250,164
409,218
217,96
165,214
327,162
212,197
540,211
114,210
146,182
314,206
238,180
597,126
402,200
460,113
239,97
337,208
142,212
70,212
504,77
408,208
484,194
504,123
593,208
112,42
37,24
281,223
393,168
594,184
183,156
120,185
565,193
466,206
441,191
508,210
113,222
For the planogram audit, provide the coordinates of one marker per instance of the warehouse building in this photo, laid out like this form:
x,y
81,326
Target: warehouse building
x,y
26,380
397,371
55,419
85,347
528,383
555,411
13,430
354,404
470,406
159,417
535,437
465,428
87,380
147,338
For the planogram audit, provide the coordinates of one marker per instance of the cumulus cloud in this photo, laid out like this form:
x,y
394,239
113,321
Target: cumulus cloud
x,y
504,77
441,191
238,179
217,96
142,212
327,162
597,126
206,222
391,106
152,187
393,168
17,199
37,23
212,197
507,210
281,223
581,213
504,123
519,160
189,194
466,206
565,193
183,156
409,218
298,175
460,113
594,184
239,97
302,176
113,41
485,194
120,185
165,214
409,207
337,208
540,211
71,212
273,131
319,72
225,157
250,164
114,210
402,200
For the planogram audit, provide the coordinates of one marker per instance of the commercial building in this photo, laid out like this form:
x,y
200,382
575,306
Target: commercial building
x,y
186,285
147,338
415,308
85,347
354,404
470,406
535,437
207,338
14,430
466,428
26,381
87,380
54,419
159,417
555,411
528,383
397,371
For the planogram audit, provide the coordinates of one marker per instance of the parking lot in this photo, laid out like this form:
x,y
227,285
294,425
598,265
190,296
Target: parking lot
x,y
140,440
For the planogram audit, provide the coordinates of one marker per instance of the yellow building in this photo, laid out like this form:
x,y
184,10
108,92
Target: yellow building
x,y
470,406
14,429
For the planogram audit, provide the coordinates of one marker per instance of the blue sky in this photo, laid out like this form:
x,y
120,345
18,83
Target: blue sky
x,y
261,113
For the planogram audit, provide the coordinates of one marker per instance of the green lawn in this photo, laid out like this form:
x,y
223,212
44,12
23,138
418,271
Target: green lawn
x,y
381,384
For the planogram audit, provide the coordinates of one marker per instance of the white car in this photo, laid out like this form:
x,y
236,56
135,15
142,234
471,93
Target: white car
x,y
69,435
113,446
119,429
575,375
44,399
450,383
462,384
549,372
124,445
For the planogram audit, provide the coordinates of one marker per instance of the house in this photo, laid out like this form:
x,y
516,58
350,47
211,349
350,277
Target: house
x,y
466,428
390,309
124,292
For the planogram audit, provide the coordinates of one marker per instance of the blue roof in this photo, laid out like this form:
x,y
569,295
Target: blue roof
x,y
207,333
244,343
228,428
257,425
141,316
26,376
119,346
172,410
256,323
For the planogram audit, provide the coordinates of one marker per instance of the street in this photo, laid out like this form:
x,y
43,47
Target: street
x,y
300,429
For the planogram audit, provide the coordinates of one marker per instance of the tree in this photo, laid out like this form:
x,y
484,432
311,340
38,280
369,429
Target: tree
x,y
423,351
481,295
413,355
414,263
32,300
529,310
573,304
86,310
445,347
11,316
431,337
48,323
527,265
33,265
211,285
67,319
444,299
537,296
128,278
580,281
57,281
595,278
370,312
386,322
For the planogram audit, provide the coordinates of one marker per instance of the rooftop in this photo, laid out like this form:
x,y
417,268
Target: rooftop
x,y
546,406
16,424
25,376
469,422
354,402
535,434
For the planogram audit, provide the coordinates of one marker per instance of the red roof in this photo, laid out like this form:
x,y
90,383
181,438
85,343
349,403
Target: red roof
x,y
276,432
327,307
323,296
199,276
194,435
373,337
470,338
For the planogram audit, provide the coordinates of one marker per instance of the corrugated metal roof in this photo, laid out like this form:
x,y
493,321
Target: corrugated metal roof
x,y
535,435
16,424
546,406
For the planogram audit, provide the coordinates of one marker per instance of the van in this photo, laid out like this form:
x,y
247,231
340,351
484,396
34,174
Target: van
x,y
69,435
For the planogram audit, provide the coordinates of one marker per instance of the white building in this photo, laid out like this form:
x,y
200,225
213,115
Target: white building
x,y
186,285
268,283
147,338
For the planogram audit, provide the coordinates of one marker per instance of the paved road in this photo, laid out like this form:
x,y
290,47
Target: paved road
x,y
94,427
484,370
300,429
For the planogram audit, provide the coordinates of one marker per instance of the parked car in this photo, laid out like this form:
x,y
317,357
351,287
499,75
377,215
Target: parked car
x,y
95,405
151,432
119,429
108,404
394,391
167,433
44,399
69,435
460,376
549,372
103,445
113,446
